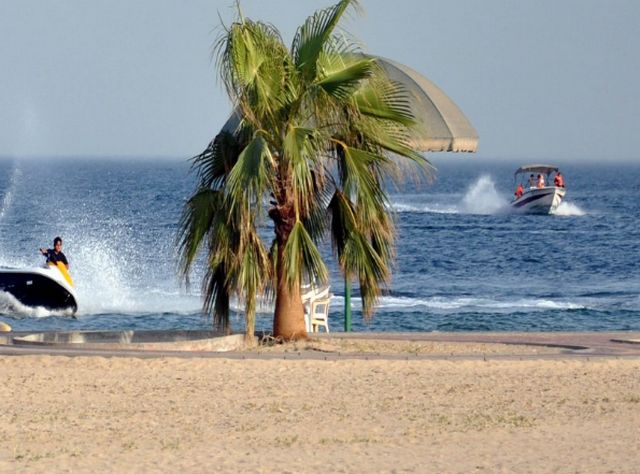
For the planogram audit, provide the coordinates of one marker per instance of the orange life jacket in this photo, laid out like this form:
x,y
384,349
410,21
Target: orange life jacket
x,y
519,191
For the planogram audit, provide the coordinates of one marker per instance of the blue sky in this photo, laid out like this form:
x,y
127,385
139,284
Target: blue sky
x,y
544,80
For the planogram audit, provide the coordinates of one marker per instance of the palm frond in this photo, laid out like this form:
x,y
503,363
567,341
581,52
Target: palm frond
x,y
302,255
393,140
364,248
195,223
254,274
216,293
302,148
310,39
317,219
342,79
204,220
253,60
361,259
358,173
214,163
343,223
386,100
249,178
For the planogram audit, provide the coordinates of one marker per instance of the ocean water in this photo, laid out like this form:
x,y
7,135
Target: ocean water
x,y
464,262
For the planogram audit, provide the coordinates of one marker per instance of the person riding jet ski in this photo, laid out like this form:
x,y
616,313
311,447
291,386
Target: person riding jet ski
x,y
55,254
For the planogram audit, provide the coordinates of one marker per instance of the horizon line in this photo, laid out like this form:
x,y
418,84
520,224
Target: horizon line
x,y
431,156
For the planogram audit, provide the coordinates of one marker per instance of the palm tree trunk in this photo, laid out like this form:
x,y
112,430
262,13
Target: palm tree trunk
x,y
249,334
288,319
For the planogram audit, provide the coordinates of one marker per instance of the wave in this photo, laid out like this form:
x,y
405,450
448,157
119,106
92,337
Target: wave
x,y
569,209
439,303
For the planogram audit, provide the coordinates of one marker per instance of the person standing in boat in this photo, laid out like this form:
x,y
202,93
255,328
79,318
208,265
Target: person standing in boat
x,y
55,254
559,180
519,191
541,181
532,181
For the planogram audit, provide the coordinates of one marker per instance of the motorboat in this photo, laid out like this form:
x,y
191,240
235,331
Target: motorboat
x,y
49,287
540,195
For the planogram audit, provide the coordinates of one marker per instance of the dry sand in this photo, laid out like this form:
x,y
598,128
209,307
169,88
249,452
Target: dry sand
x,y
97,414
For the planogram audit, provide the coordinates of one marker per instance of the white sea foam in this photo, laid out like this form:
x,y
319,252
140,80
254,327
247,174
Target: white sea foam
x,y
108,283
539,304
480,198
440,303
483,198
569,209
433,208
10,305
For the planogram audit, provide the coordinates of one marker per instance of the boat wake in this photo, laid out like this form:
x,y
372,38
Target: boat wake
x,y
432,208
569,209
483,198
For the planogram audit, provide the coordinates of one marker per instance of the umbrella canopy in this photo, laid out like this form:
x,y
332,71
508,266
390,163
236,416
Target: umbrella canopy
x,y
441,124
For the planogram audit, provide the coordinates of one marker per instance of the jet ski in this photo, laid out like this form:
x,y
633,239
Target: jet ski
x,y
49,287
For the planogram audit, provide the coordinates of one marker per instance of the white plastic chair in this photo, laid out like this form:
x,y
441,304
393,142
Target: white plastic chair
x,y
320,313
316,307
308,293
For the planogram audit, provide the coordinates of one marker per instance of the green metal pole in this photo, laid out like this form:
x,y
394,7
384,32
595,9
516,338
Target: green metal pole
x,y
347,303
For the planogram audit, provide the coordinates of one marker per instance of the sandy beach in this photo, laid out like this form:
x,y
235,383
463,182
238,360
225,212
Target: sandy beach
x,y
162,414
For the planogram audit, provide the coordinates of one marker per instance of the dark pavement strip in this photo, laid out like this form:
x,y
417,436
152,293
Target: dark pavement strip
x,y
573,345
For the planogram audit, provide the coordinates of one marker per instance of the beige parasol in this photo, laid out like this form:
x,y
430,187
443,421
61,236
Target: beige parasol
x,y
441,124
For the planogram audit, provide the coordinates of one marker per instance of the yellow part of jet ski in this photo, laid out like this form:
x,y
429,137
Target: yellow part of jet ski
x,y
63,269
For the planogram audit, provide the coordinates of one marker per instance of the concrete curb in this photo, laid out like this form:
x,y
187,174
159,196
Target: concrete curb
x,y
169,341
211,344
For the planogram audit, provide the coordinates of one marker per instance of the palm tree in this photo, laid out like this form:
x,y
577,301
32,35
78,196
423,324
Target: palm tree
x,y
316,131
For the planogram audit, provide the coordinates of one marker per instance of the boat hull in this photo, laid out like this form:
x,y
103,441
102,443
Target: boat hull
x,y
39,288
539,200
